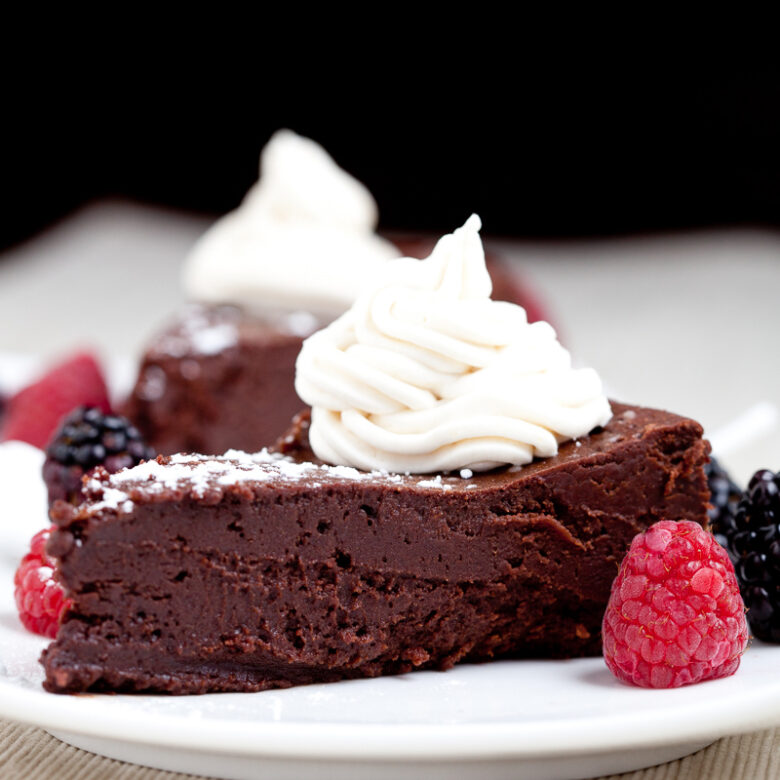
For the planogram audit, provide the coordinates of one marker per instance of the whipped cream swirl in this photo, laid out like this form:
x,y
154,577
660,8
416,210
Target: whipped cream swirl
x,y
303,238
426,373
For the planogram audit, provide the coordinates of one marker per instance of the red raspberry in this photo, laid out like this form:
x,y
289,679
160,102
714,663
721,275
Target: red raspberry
x,y
675,615
39,598
34,413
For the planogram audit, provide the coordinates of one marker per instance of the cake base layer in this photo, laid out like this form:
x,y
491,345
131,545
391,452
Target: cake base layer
x,y
242,575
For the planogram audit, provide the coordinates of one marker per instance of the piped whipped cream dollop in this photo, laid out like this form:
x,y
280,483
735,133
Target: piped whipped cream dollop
x,y
426,373
303,238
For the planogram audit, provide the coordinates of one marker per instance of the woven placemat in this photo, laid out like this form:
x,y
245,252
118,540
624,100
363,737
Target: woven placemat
x,y
29,753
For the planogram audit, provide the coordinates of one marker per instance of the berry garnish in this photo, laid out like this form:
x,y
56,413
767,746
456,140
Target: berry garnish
x,y
724,497
39,597
88,438
754,544
33,414
675,615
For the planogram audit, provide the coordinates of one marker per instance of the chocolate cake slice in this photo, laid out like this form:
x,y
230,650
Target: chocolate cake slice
x,y
219,378
245,572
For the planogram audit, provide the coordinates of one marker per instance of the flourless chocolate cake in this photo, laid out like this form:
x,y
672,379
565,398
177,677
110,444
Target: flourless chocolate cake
x,y
222,378
246,572
217,379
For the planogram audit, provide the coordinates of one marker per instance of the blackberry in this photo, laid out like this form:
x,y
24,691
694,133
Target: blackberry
x,y
724,497
754,544
88,438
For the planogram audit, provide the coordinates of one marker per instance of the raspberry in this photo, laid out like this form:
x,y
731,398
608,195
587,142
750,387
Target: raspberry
x,y
86,439
32,415
674,616
39,597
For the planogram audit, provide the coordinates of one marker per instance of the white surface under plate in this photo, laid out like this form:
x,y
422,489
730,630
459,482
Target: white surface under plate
x,y
515,719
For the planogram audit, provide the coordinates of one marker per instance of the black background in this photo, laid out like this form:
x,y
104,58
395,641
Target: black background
x,y
541,156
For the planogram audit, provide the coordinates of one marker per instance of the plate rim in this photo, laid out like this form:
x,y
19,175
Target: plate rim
x,y
679,723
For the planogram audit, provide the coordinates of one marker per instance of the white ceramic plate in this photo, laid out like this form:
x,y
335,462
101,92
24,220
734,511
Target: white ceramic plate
x,y
506,719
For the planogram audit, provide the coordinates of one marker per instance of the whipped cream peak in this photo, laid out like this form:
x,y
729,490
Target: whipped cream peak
x,y
426,373
302,239
460,260
299,181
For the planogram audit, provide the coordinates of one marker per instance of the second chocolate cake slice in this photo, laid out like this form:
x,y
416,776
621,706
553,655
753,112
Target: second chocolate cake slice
x,y
240,573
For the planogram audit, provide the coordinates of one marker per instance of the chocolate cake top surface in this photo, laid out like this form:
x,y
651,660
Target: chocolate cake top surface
x,y
203,330
291,465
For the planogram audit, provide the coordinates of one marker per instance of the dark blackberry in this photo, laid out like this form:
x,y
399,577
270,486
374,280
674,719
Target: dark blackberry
x,y
724,497
754,543
88,438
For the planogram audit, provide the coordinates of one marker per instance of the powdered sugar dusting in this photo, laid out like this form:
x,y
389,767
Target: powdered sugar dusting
x,y
110,497
198,474
434,482
198,335
301,323
214,339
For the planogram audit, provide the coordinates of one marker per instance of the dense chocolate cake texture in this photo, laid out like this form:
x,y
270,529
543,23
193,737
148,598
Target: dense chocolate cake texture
x,y
246,572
